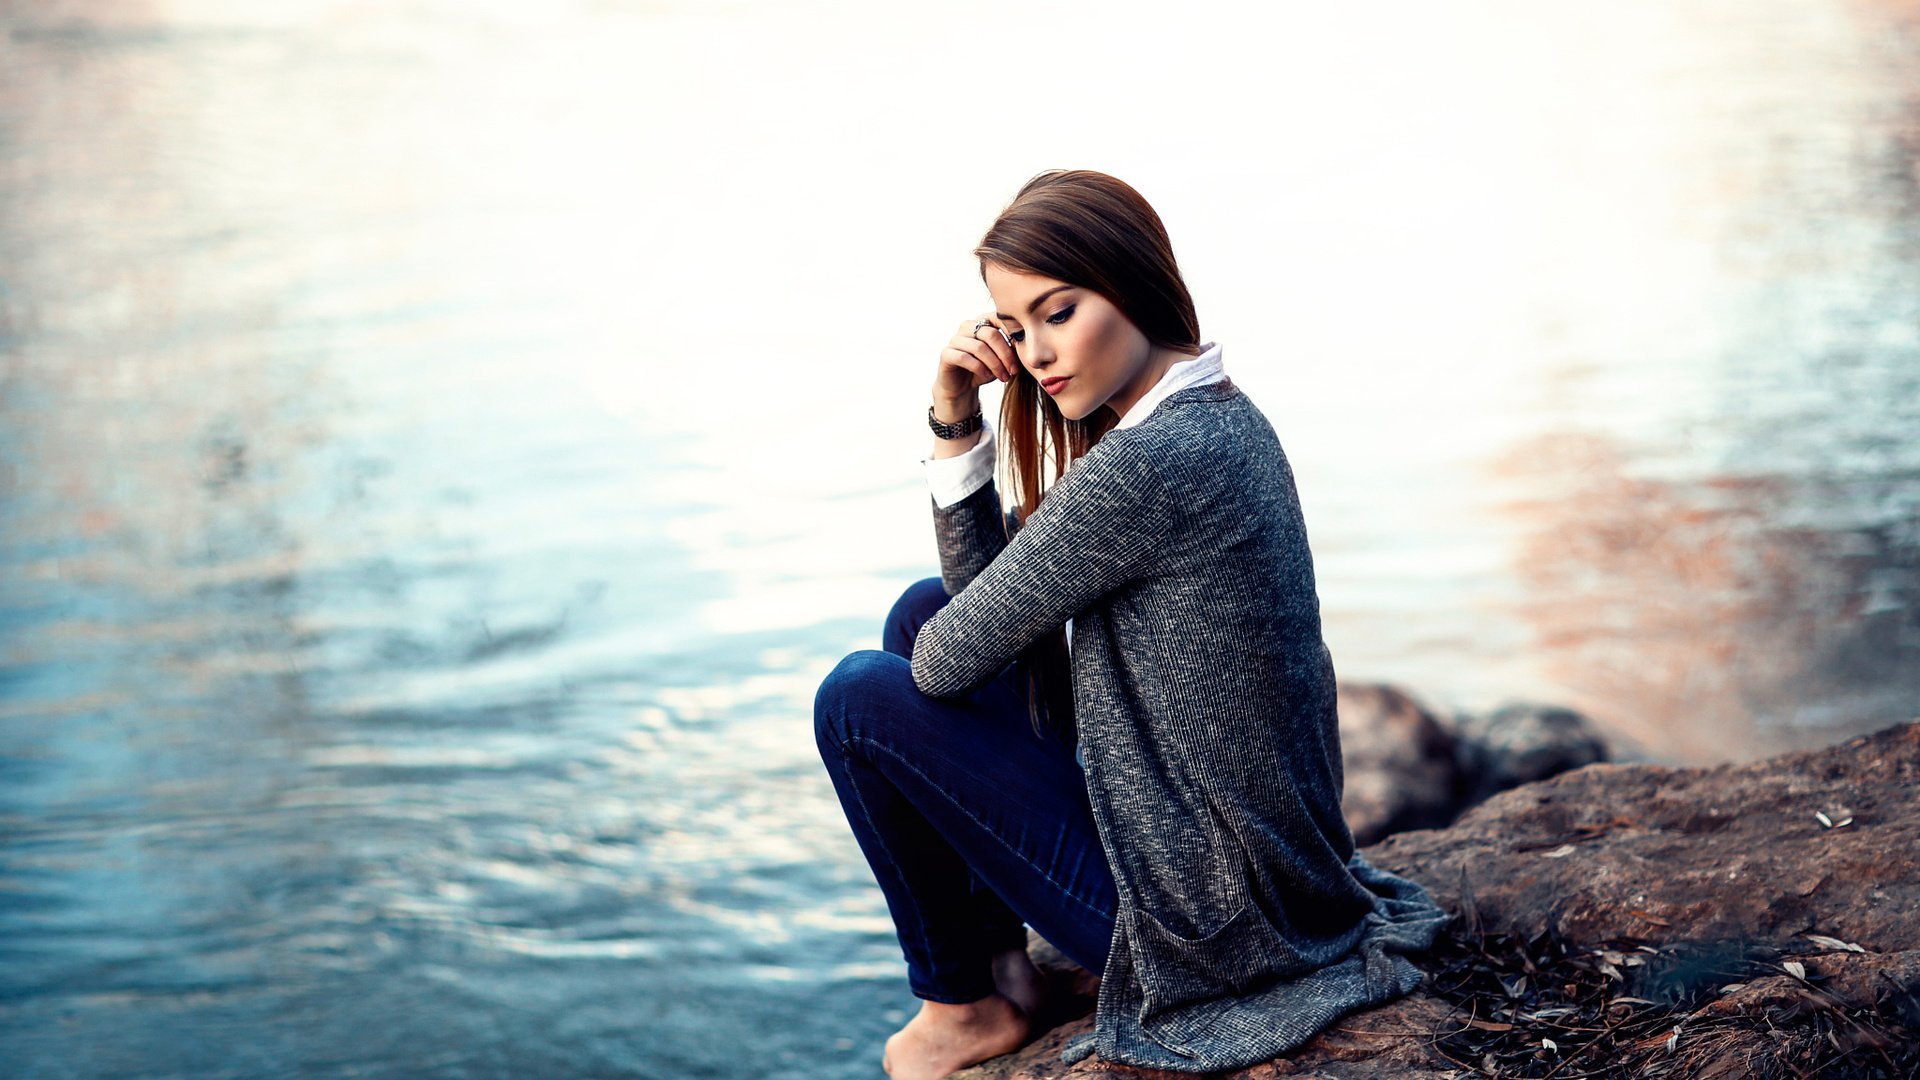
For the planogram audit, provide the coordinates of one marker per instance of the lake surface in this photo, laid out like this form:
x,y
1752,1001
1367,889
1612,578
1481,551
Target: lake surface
x,y
444,445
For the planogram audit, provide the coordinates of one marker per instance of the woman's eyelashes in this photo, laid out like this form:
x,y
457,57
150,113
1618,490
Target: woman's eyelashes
x,y
1056,319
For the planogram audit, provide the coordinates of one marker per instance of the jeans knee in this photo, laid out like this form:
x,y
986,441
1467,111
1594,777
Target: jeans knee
x,y
859,677
916,604
927,593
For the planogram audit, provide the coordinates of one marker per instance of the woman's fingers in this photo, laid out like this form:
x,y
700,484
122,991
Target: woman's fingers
x,y
984,353
955,356
968,342
993,353
972,358
1001,344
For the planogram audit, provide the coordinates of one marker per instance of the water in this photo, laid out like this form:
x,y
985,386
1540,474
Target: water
x,y
442,448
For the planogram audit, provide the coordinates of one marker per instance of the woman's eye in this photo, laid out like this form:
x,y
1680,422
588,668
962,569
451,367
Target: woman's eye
x,y
1056,319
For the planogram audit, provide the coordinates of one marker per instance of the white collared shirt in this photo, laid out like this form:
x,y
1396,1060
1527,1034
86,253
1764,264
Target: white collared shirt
x,y
1193,371
952,479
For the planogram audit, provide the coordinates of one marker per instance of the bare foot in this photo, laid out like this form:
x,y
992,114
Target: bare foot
x,y
1019,981
943,1038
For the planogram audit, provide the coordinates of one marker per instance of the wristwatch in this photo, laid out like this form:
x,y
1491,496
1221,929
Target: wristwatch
x,y
954,431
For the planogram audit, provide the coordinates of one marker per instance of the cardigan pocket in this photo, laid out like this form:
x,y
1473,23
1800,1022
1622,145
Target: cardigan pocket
x,y
1188,982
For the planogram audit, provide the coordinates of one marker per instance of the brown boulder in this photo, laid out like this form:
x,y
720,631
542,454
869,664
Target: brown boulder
x,y
1401,763
1731,853
1407,768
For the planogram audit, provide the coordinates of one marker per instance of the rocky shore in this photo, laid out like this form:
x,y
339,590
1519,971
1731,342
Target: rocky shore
x,y
1748,920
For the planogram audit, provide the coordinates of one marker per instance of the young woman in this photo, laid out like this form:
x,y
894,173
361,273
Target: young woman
x,y
1161,801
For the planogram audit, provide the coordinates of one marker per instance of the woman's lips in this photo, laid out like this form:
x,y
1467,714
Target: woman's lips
x,y
1053,385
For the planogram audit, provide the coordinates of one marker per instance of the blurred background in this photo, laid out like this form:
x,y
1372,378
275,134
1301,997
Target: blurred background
x,y
444,443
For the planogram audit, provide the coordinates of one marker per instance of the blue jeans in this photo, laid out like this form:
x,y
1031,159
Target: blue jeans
x,y
973,824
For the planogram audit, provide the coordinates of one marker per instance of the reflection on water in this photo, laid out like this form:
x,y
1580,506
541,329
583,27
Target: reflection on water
x,y
414,580
1696,609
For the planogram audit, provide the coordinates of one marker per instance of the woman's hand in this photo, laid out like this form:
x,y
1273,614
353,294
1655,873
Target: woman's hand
x,y
970,361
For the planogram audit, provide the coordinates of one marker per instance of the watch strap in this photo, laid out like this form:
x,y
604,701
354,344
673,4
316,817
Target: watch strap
x,y
954,431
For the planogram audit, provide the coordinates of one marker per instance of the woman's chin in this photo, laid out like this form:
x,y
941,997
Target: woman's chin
x,y
1073,409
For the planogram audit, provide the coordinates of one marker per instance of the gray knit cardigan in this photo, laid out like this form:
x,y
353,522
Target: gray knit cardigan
x,y
1204,695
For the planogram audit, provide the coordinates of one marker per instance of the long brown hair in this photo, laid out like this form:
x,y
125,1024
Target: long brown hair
x,y
1092,230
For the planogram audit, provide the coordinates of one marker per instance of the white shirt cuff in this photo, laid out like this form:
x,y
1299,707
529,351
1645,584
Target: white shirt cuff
x,y
952,479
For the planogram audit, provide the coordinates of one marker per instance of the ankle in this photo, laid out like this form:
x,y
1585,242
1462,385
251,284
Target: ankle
x,y
1013,955
992,1007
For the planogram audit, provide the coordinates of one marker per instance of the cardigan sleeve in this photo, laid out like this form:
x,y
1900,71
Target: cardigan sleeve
x,y
1099,527
970,534
968,525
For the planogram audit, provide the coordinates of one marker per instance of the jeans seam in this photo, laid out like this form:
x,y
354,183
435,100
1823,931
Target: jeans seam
x,y
1049,878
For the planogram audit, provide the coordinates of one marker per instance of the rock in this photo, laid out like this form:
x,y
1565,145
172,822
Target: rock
x,y
1520,743
1401,765
1728,853
1665,857
1407,769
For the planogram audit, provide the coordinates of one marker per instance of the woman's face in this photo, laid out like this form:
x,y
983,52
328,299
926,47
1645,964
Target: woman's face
x,y
1067,332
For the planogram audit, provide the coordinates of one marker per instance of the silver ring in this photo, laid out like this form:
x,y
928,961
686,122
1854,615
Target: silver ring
x,y
981,323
